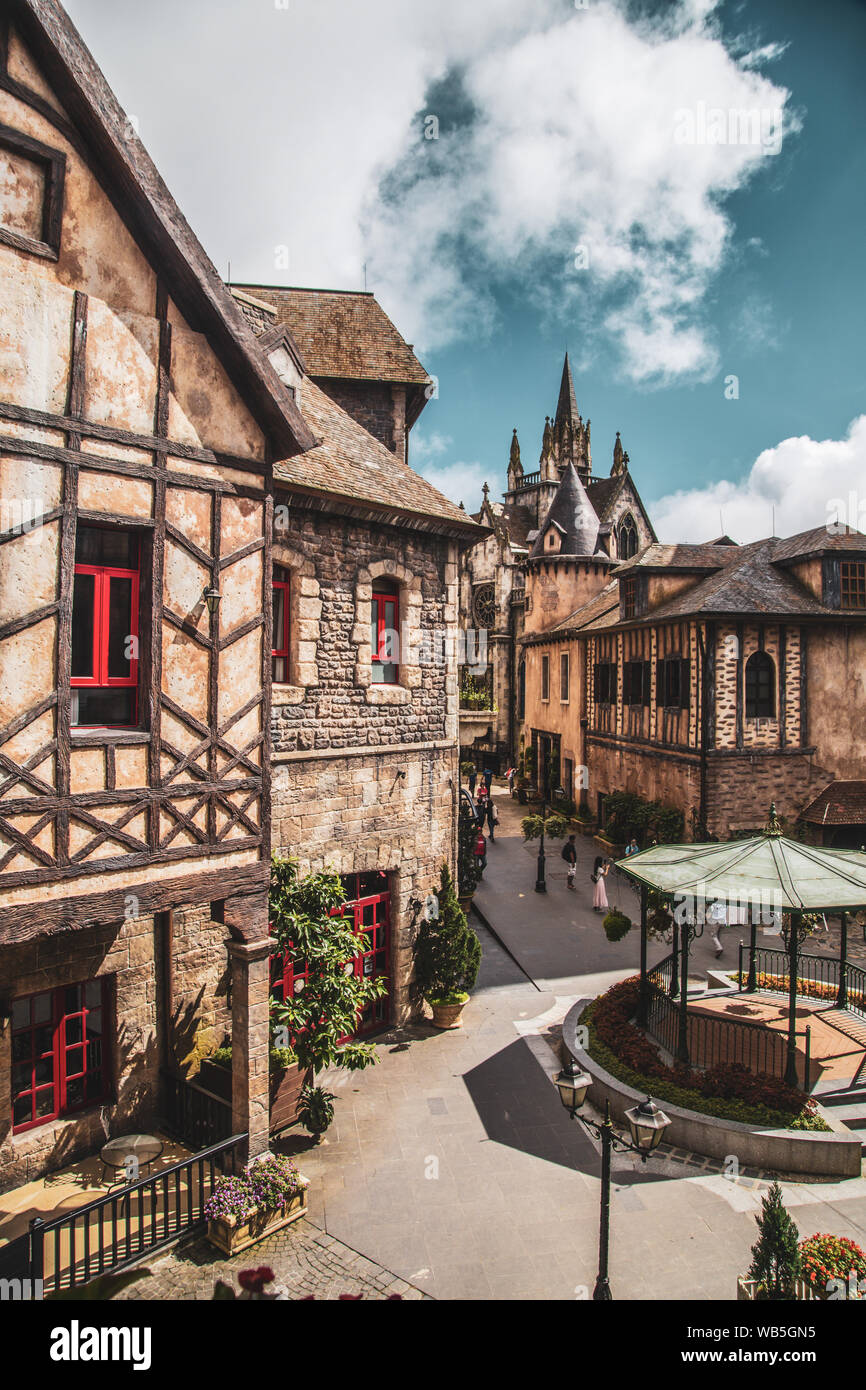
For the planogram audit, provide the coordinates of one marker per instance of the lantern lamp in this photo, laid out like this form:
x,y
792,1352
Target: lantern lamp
x,y
212,598
647,1125
573,1084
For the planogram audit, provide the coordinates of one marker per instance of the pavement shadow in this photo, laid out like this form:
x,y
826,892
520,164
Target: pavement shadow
x,y
522,1110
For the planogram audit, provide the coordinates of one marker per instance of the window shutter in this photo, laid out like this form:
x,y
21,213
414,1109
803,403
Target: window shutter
x,y
613,686
647,682
685,682
660,681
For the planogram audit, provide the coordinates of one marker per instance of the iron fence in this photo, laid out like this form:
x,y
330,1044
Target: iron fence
x,y
119,1229
818,977
194,1115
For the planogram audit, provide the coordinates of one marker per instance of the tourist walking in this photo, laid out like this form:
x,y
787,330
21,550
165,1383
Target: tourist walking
x,y
569,854
492,816
598,875
509,777
488,779
480,852
473,778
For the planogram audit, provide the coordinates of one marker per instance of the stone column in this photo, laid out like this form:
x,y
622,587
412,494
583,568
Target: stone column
x,y
247,919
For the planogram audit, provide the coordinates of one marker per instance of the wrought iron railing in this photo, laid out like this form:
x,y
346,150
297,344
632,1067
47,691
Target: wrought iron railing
x,y
121,1228
194,1115
818,977
713,1040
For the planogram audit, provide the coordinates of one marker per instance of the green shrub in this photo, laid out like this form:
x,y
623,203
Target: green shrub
x,y
616,925
775,1254
628,816
825,1257
447,951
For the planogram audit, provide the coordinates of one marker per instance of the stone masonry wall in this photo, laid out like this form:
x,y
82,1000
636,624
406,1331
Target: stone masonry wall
x,y
129,953
393,812
372,404
337,712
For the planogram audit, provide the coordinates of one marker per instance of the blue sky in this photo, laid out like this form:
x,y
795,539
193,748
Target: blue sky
x,y
556,124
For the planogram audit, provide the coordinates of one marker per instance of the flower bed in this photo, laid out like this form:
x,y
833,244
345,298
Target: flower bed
x,y
811,989
728,1091
265,1197
824,1258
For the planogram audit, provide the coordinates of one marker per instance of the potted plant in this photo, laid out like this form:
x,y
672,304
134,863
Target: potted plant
x,y
316,1025
616,925
215,1072
447,957
242,1209
316,1109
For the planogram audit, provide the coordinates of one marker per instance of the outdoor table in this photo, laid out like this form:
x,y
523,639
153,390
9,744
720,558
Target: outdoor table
x,y
145,1147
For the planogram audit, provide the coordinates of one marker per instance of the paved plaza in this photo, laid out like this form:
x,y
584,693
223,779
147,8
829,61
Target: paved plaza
x,y
453,1167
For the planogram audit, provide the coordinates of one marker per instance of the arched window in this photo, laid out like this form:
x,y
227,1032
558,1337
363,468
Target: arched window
x,y
627,537
760,687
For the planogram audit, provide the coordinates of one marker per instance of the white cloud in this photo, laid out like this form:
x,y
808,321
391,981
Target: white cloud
x,y
809,482
460,481
276,127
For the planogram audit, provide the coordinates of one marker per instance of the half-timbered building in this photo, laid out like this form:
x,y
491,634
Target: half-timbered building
x,y
139,424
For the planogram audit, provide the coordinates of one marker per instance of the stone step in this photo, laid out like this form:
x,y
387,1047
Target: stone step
x,y
852,1025
855,1096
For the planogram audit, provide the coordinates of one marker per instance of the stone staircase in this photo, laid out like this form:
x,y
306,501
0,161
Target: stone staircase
x,y
848,1103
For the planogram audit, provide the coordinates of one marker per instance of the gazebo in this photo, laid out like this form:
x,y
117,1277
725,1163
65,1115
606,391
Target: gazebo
x,y
770,873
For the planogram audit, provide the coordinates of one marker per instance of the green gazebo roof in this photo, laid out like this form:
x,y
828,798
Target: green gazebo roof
x,y
783,874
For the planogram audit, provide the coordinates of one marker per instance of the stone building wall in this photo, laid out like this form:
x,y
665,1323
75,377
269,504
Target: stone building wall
x,y
364,776
131,955
377,405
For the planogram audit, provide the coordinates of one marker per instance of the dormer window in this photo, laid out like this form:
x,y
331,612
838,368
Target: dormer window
x,y
627,537
852,583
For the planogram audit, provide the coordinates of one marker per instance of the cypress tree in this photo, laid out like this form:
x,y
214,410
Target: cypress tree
x,y
775,1254
447,951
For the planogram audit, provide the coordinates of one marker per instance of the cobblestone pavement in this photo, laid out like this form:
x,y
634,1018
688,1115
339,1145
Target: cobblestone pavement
x,y
303,1257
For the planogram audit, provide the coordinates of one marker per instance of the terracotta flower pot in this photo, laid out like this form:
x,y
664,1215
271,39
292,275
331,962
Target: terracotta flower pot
x,y
448,1015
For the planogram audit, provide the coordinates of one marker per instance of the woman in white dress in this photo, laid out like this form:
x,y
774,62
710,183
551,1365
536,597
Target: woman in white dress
x,y
599,873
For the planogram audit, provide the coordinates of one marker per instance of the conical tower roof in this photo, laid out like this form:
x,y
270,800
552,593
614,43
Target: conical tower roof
x,y
574,516
566,406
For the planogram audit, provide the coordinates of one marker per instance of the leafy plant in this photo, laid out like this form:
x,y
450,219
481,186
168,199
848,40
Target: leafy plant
x,y
555,826
269,1182
628,816
306,920
316,1109
447,950
616,925
468,872
467,769
775,1255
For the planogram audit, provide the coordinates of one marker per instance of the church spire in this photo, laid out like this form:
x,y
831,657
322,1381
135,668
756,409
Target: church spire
x,y
566,406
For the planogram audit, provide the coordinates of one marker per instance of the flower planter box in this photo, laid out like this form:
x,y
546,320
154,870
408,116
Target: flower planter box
x,y
285,1088
231,1235
747,1291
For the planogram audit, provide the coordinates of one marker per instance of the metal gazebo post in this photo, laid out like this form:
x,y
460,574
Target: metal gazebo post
x,y
683,1031
842,996
643,996
793,954
752,982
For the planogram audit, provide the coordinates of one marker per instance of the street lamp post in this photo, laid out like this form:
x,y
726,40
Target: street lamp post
x,y
540,880
646,1124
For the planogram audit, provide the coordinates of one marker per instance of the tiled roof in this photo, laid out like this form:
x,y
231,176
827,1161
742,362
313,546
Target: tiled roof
x,y
574,516
749,583
601,611
344,334
840,803
681,557
813,542
349,462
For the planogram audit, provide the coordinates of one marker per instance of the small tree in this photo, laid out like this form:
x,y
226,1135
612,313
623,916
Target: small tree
x,y
775,1254
468,872
447,951
306,920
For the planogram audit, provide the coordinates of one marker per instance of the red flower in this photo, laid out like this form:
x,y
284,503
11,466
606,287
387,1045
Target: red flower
x,y
254,1280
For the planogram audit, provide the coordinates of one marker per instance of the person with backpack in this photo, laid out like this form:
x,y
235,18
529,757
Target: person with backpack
x,y
569,854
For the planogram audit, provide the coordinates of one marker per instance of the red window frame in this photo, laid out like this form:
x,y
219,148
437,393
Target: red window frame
x,y
382,597
72,1054
371,898
100,679
280,649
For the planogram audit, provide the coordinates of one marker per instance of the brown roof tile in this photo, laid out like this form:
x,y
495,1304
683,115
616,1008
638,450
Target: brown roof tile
x,y
840,803
343,333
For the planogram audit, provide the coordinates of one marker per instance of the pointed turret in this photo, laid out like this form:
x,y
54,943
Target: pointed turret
x,y
617,458
570,436
572,520
515,467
